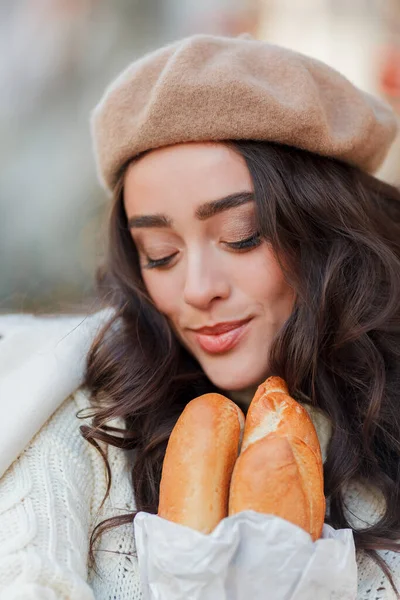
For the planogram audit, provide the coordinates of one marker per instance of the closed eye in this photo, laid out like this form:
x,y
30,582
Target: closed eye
x,y
250,242
159,262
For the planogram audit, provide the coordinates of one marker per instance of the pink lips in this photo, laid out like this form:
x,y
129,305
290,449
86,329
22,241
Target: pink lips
x,y
221,338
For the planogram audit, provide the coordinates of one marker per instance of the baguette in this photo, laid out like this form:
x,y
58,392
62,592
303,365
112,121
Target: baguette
x,y
279,470
198,463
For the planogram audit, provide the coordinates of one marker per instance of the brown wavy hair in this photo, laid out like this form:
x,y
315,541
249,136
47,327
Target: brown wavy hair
x,y
336,234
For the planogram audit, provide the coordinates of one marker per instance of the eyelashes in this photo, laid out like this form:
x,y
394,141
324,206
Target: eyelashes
x,y
249,242
160,262
245,244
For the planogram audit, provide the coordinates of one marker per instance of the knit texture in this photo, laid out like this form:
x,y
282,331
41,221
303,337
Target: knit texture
x,y
207,87
49,504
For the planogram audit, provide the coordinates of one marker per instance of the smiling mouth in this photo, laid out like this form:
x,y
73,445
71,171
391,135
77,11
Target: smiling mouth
x,y
216,343
222,327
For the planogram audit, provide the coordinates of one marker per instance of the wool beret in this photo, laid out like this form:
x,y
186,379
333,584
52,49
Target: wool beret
x,y
214,88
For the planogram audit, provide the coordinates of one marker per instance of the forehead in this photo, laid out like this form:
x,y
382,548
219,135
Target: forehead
x,y
193,172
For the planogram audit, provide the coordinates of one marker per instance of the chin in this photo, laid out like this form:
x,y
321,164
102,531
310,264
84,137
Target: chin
x,y
235,375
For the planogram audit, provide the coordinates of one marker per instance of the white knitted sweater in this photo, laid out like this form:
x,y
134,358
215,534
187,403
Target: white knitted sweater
x,y
50,497
49,503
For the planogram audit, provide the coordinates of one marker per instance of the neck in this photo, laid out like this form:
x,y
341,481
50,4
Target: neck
x,y
242,397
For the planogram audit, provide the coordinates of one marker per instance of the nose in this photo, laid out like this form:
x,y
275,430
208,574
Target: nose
x,y
206,279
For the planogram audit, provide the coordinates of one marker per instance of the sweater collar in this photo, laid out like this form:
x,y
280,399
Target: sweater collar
x,y
43,361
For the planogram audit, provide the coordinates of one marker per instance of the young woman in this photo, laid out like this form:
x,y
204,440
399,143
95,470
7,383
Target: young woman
x,y
248,237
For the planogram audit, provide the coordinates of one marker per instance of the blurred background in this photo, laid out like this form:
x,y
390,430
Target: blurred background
x,y
56,58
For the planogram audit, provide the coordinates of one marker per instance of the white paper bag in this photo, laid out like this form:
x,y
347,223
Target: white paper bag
x,y
249,556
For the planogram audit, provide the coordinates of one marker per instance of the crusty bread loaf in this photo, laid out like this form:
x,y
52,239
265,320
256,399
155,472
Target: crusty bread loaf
x,y
279,470
273,410
198,463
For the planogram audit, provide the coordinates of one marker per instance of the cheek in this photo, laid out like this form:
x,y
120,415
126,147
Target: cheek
x,y
262,277
262,282
163,292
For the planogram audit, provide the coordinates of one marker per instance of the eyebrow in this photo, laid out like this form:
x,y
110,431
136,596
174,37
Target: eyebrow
x,y
203,212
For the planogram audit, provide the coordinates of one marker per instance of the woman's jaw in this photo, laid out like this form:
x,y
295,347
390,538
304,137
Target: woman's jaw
x,y
238,366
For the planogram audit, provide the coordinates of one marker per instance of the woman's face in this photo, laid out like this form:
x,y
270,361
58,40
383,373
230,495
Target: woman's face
x,y
192,218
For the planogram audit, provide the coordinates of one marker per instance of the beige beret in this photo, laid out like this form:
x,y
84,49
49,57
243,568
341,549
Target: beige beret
x,y
207,87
